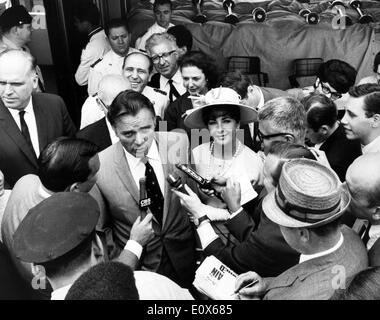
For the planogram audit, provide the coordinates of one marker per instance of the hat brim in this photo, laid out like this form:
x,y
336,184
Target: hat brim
x,y
275,214
195,120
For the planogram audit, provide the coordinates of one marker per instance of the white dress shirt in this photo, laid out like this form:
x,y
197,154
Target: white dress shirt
x,y
137,166
372,147
91,112
140,42
306,257
177,82
154,286
60,294
150,286
30,120
95,49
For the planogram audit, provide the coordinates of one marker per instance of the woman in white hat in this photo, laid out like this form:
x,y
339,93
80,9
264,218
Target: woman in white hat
x,y
224,155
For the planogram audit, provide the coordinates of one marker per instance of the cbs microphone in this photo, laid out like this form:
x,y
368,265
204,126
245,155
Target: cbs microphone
x,y
144,202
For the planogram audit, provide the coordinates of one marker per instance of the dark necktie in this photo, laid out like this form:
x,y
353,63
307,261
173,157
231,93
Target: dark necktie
x,y
25,130
173,93
154,192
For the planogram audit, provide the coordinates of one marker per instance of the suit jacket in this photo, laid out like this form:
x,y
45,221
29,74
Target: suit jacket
x,y
374,255
341,152
263,250
97,133
174,112
118,198
53,121
318,278
155,81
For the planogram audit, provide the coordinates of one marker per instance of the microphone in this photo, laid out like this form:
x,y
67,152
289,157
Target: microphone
x,y
176,183
144,202
203,183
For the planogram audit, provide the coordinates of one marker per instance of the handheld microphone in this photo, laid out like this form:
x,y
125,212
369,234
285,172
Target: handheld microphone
x,y
203,183
144,202
176,183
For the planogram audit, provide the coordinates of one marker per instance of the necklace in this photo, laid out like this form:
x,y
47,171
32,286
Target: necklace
x,y
223,168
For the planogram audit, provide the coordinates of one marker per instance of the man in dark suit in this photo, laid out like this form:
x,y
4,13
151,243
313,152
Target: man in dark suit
x,y
144,153
327,134
101,132
28,121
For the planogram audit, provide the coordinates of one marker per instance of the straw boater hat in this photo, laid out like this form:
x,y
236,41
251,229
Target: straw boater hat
x,y
219,97
308,195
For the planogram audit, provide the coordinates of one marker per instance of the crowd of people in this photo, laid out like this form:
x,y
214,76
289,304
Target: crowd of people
x,y
288,193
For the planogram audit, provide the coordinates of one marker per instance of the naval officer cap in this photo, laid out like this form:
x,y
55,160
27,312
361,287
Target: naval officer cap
x,y
15,16
56,226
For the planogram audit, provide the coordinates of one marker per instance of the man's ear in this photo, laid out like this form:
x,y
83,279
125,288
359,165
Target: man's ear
x,y
98,251
35,80
182,51
304,234
376,214
375,123
324,130
74,187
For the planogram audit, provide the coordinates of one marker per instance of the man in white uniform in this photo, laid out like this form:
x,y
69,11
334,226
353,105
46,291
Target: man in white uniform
x,y
112,63
86,20
136,70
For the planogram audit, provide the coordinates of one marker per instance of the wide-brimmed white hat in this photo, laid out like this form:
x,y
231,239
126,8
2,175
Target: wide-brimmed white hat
x,y
308,195
218,97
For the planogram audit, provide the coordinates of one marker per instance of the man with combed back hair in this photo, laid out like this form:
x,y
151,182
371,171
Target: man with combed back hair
x,y
362,118
281,119
144,153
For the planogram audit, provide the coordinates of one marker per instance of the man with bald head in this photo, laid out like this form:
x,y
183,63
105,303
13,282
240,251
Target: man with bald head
x,y
363,183
28,120
101,132
136,69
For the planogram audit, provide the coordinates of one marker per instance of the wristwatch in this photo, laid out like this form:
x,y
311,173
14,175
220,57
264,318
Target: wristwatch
x,y
201,219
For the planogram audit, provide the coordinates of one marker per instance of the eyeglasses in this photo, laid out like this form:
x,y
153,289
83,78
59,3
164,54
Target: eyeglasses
x,y
326,90
263,137
165,56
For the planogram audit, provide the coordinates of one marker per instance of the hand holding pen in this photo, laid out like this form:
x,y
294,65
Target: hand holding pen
x,y
249,286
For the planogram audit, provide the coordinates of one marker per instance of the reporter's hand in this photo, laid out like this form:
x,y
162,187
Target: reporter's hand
x,y
231,195
142,231
253,292
191,202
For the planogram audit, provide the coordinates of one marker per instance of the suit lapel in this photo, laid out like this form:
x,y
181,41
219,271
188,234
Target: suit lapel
x,y
14,133
162,149
41,121
124,172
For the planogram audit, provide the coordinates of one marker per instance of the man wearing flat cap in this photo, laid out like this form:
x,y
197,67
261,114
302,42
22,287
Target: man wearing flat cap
x,y
307,205
16,30
59,235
